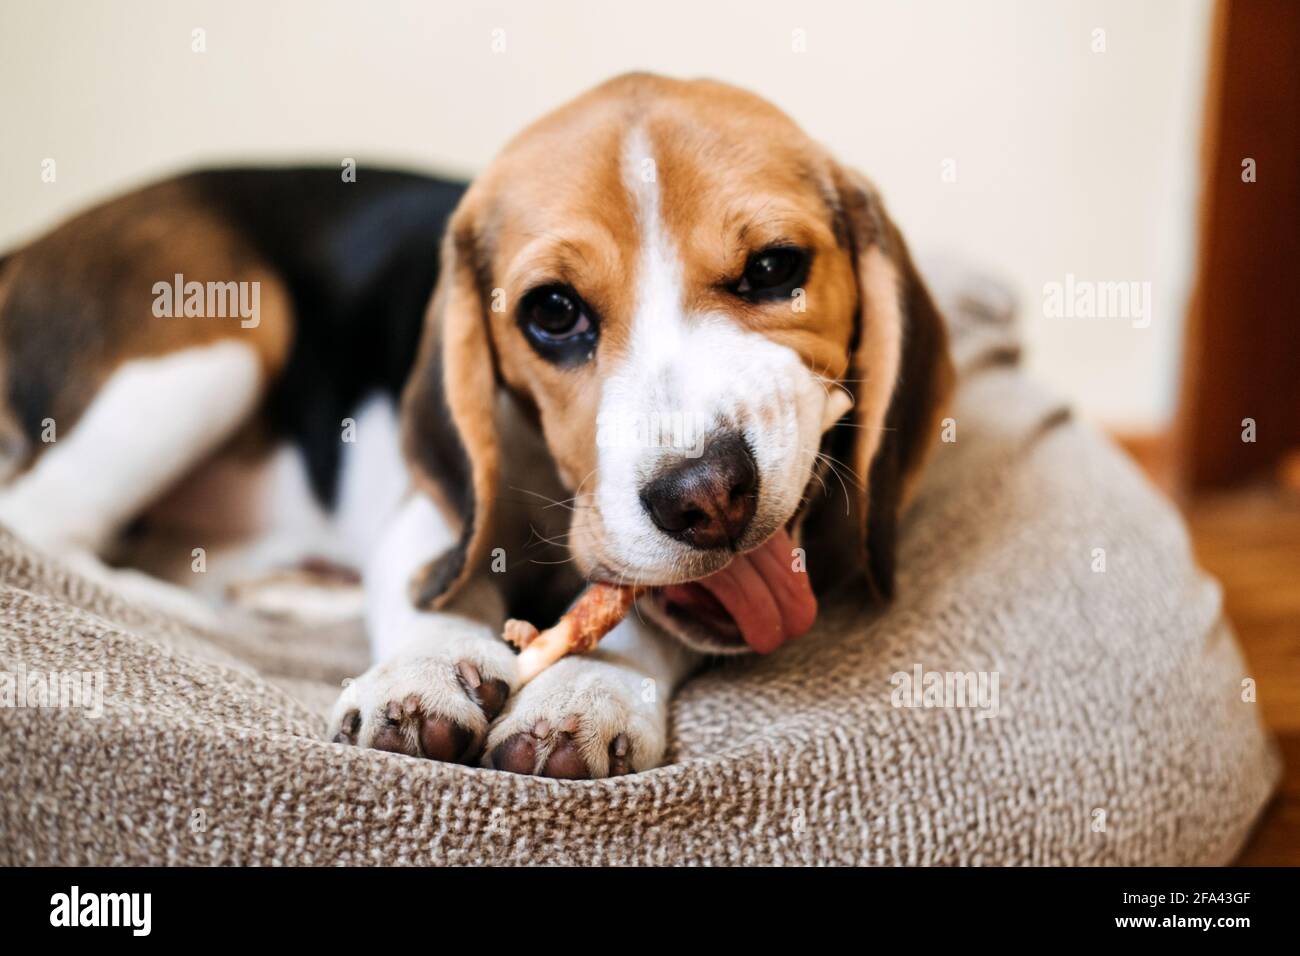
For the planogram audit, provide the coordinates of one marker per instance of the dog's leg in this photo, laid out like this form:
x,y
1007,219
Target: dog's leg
x,y
150,423
595,715
439,678
153,420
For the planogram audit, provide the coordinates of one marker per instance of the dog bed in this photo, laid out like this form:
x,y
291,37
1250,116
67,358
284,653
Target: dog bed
x,y
1103,720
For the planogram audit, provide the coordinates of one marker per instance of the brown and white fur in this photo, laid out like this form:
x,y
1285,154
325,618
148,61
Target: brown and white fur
x,y
648,196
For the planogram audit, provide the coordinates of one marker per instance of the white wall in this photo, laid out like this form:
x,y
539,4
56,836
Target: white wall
x,y
1068,161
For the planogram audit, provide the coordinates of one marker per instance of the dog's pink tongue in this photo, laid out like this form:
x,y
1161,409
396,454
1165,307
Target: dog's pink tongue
x,y
769,600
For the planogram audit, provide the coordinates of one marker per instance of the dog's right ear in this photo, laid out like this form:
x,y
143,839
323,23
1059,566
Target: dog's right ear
x,y
448,428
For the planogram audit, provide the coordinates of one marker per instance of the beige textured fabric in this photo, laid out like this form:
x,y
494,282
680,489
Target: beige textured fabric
x,y
1119,705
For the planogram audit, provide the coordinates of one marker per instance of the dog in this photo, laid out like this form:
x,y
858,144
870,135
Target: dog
x,y
663,339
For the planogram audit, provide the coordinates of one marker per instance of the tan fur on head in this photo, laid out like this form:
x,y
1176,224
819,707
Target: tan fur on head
x,y
647,196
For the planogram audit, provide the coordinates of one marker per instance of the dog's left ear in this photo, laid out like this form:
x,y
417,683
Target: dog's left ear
x,y
448,426
901,376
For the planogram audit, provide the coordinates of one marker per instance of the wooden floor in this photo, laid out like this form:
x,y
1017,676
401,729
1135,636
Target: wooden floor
x,y
1250,541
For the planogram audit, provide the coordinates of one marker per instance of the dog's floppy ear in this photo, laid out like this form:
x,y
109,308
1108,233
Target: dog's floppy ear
x,y
900,375
448,428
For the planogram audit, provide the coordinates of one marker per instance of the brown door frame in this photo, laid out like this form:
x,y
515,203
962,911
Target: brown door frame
x,y
1242,349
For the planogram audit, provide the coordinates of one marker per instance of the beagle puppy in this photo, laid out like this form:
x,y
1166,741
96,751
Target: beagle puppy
x,y
666,341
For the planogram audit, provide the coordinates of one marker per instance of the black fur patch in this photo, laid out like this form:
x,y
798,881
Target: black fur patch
x,y
360,260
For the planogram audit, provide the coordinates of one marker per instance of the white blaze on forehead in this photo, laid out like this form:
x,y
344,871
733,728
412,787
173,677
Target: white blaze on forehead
x,y
664,373
656,323
641,386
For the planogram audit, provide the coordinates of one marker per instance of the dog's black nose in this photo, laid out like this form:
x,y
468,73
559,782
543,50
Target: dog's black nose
x,y
706,502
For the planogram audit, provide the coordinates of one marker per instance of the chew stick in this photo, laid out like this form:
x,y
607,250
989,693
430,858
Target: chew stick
x,y
598,609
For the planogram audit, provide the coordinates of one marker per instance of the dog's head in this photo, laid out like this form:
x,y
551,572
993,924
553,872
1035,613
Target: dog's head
x,y
717,329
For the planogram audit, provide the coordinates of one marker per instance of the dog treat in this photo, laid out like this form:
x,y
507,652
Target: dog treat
x,y
598,609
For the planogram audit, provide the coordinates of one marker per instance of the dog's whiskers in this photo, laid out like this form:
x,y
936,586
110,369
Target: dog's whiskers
x,y
828,383
566,503
558,540
838,468
836,465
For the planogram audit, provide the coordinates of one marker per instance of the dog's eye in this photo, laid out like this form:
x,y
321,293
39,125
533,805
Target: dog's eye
x,y
773,273
554,313
557,323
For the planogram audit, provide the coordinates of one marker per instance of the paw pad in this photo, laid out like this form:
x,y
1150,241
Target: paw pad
x,y
551,751
489,695
620,756
414,723
406,728
349,727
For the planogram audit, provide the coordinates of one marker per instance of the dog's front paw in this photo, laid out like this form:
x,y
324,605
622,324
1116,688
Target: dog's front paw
x,y
580,718
435,702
